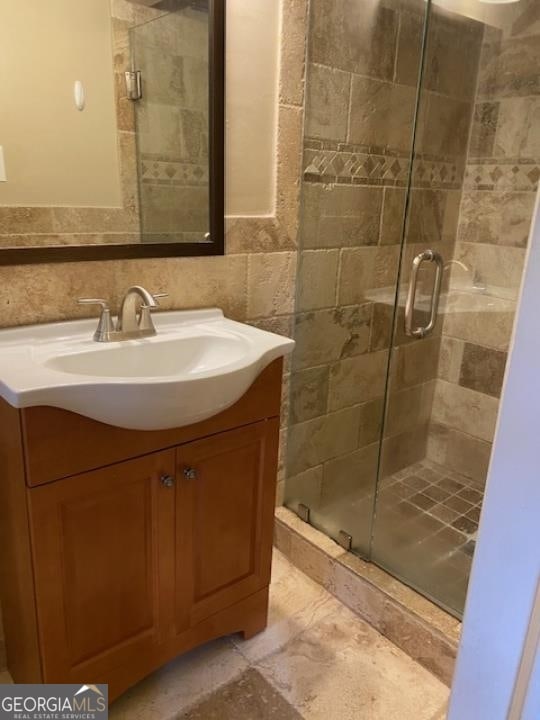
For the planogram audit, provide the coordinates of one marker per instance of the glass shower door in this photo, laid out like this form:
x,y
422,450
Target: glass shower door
x,y
471,199
362,83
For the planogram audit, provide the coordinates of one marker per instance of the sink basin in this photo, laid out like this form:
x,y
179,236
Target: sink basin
x,y
198,364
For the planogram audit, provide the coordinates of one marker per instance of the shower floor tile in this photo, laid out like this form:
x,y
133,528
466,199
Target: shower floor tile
x,y
425,530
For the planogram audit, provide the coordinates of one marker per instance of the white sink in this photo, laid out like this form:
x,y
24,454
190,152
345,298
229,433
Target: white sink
x,y
197,365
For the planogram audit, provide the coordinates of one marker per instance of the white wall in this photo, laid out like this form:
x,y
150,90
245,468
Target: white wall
x,y
252,99
56,155
506,568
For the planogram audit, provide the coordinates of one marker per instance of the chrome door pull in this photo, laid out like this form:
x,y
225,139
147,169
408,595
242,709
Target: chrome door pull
x,y
422,332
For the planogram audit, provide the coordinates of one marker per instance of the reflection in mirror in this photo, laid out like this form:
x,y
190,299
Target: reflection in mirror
x,y
112,126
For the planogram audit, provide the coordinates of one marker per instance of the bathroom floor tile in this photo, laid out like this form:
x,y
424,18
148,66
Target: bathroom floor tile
x,y
250,697
296,603
181,683
342,668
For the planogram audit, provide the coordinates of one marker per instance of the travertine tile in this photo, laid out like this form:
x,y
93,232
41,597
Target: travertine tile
x,y
289,169
393,216
483,369
323,336
450,359
409,48
364,269
400,451
250,696
443,125
351,474
309,393
415,363
496,218
293,51
296,603
339,667
484,324
459,452
326,437
453,50
366,48
357,380
483,129
304,488
271,281
327,103
465,410
409,407
381,113
181,683
337,216
511,69
317,279
255,234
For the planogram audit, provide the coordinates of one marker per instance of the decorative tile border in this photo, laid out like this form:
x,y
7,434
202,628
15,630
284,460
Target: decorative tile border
x,y
502,174
426,633
156,171
359,165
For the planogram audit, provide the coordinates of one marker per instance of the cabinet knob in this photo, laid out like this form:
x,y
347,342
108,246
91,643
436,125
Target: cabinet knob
x,y
190,473
167,481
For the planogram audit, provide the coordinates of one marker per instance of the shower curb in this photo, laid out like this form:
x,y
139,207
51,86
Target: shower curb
x,y
425,632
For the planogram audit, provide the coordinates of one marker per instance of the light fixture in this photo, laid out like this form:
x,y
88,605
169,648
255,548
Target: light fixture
x,y
498,2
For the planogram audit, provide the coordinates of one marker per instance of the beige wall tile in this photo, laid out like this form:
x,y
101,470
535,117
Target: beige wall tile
x,y
357,380
450,359
465,410
309,393
327,103
315,441
305,488
366,48
496,217
294,33
365,269
351,475
323,336
317,279
271,282
381,113
340,216
289,169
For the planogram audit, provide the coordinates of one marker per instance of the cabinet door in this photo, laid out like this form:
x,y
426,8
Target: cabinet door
x,y
224,519
103,550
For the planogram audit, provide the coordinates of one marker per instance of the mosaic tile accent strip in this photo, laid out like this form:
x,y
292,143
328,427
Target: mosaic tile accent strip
x,y
156,171
359,165
502,174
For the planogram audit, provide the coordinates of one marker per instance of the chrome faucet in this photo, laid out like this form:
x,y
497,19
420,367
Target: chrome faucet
x,y
134,319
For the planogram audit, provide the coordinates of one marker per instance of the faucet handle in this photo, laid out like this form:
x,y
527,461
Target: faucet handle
x,y
159,296
94,301
105,326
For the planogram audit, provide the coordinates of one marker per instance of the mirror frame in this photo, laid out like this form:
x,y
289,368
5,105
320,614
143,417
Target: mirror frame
x,y
81,253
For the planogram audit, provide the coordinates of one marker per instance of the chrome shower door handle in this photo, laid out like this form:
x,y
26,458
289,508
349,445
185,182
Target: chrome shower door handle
x,y
422,332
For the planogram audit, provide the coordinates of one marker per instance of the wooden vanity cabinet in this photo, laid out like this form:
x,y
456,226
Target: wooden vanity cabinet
x,y
108,572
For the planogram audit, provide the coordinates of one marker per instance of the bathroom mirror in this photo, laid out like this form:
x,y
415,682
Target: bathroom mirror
x,y
111,129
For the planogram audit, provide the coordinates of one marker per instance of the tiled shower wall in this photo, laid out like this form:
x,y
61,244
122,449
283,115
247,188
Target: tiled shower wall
x,y
503,168
361,89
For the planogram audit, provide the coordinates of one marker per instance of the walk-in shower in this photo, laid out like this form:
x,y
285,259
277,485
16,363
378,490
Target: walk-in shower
x,y
421,168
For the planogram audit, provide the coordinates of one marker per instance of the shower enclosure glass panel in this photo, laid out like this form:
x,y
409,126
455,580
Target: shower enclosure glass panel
x,y
171,120
418,195
471,200
362,83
